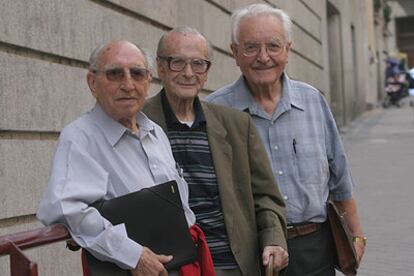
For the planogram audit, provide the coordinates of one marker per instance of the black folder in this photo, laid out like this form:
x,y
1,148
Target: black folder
x,y
154,217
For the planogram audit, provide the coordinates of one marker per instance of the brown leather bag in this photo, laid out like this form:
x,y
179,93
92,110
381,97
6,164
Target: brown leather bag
x,y
345,250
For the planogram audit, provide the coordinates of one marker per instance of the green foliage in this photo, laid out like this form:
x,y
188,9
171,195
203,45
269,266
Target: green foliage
x,y
386,12
377,5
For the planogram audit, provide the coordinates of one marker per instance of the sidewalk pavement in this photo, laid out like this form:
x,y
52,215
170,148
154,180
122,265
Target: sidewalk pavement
x,y
380,148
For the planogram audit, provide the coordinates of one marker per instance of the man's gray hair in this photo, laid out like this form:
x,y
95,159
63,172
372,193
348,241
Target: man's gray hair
x,y
95,56
259,9
182,30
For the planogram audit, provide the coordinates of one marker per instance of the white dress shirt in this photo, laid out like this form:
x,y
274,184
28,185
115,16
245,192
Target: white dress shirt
x,y
98,158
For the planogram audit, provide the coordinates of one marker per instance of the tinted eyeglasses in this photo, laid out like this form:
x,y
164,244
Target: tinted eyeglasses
x,y
253,49
119,73
176,64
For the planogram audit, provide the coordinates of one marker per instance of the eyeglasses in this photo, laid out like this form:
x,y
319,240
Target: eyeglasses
x,y
253,49
176,64
118,73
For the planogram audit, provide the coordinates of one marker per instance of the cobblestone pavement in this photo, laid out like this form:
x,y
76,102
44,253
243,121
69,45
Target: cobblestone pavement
x,y
380,147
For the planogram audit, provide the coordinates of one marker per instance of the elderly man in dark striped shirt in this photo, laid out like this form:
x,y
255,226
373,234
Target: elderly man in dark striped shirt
x,y
232,189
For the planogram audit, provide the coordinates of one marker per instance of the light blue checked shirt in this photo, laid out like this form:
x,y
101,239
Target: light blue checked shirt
x,y
98,158
303,144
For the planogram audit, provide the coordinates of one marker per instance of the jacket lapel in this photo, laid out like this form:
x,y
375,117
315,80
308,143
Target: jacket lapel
x,y
155,111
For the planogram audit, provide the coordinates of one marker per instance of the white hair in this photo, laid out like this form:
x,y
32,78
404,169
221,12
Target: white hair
x,y
255,10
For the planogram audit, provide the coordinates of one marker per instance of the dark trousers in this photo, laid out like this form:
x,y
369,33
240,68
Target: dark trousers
x,y
312,255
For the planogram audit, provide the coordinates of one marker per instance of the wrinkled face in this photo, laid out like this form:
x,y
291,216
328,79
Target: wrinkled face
x,y
187,83
262,53
121,82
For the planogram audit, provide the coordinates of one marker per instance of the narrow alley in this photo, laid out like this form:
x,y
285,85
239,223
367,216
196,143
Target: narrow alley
x,y
380,147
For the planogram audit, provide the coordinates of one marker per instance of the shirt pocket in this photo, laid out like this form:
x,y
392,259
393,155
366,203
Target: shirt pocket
x,y
311,162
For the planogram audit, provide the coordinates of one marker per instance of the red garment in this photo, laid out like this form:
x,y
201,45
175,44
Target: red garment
x,y
204,265
85,267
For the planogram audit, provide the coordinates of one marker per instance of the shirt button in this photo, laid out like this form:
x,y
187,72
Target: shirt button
x,y
276,147
154,166
285,197
280,172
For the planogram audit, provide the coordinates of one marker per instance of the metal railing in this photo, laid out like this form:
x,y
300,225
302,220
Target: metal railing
x,y
14,244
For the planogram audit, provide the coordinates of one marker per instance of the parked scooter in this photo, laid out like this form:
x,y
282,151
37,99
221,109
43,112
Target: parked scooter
x,y
396,88
396,84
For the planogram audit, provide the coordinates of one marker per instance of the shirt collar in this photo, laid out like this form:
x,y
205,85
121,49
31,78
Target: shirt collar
x,y
172,120
113,130
245,101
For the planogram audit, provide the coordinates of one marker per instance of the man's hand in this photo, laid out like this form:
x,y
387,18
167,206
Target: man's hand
x,y
151,264
349,208
280,257
359,249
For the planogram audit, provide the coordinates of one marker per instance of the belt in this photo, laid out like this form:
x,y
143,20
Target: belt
x,y
302,230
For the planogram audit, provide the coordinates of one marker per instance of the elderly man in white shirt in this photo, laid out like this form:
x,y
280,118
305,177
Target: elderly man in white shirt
x,y
111,151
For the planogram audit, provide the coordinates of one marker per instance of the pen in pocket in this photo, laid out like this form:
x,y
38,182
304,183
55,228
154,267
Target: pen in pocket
x,y
294,145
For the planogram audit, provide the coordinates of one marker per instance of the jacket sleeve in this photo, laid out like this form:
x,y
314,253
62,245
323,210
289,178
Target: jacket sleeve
x,y
268,202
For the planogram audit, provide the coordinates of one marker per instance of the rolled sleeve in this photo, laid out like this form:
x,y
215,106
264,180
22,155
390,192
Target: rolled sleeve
x,y
340,180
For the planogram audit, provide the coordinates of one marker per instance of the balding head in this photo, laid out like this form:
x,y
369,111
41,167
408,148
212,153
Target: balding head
x,y
96,55
119,80
183,30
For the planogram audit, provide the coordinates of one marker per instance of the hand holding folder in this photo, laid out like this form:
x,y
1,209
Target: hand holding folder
x,y
154,217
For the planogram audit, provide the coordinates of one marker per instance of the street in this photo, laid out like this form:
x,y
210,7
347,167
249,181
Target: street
x,y
380,148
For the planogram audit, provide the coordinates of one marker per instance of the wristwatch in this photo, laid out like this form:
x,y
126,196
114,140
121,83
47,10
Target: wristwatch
x,y
362,239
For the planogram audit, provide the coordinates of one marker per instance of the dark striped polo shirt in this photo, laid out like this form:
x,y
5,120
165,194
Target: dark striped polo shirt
x,y
192,152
